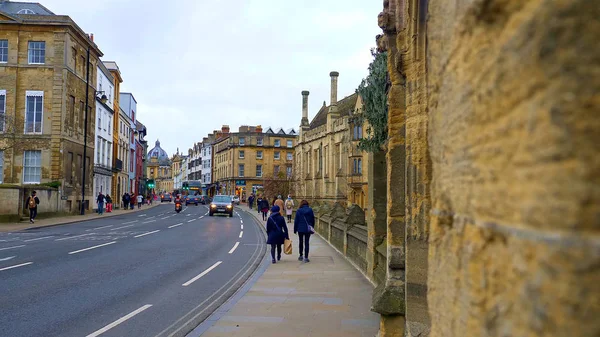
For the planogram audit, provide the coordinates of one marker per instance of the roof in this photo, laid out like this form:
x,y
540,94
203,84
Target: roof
x,y
20,8
346,105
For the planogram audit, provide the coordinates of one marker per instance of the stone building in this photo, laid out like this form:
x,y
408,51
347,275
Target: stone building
x,y
104,133
43,60
491,219
244,160
176,172
141,148
117,155
159,169
329,165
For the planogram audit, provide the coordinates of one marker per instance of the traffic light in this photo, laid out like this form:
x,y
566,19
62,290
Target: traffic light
x,y
150,183
186,186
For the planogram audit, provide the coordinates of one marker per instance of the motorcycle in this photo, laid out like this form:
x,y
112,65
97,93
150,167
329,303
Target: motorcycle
x,y
178,206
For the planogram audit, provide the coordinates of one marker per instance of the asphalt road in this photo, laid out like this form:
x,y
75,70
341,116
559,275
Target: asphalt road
x,y
149,273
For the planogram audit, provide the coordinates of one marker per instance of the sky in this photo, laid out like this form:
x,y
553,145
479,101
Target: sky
x,y
194,65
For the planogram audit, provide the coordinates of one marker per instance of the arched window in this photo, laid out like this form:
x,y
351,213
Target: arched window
x,y
25,11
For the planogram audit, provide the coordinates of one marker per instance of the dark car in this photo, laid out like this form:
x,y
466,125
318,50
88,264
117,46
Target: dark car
x,y
192,199
205,199
221,204
166,197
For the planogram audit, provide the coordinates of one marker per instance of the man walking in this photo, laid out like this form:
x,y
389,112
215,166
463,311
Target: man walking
x,y
126,200
32,203
140,199
250,201
100,200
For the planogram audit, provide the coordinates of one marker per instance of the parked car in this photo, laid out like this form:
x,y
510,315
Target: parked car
x,y
192,199
235,199
205,199
221,204
166,197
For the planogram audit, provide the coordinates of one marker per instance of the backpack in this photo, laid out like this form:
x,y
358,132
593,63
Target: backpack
x,y
32,203
288,204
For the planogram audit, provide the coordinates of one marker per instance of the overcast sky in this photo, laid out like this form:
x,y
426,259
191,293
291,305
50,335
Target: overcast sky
x,y
194,65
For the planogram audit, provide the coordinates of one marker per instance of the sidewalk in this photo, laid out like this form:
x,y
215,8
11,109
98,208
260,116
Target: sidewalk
x,y
325,297
62,220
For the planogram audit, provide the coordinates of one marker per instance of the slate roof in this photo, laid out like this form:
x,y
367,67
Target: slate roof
x,y
13,7
345,106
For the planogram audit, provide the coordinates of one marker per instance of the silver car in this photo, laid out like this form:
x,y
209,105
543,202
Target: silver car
x,y
221,204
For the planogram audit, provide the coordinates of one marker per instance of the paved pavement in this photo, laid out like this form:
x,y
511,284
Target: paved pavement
x,y
325,297
148,273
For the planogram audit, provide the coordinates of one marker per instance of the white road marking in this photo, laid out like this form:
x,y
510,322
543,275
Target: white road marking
x,y
241,233
201,217
139,236
149,221
76,236
202,274
241,226
179,224
234,247
241,221
166,217
16,266
128,222
123,227
45,237
187,214
143,215
94,247
150,217
191,220
119,321
98,228
13,247
7,258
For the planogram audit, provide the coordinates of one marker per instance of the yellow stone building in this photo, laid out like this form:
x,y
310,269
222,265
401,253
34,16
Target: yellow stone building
x,y
159,169
329,165
43,60
245,160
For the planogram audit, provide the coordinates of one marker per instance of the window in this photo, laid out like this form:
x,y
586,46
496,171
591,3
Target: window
x,y
74,57
277,155
1,167
357,166
69,167
25,11
277,143
2,109
290,156
259,155
81,114
259,170
259,142
241,170
357,134
290,143
242,154
32,167
276,169
288,171
3,51
109,125
98,146
242,141
37,52
34,111
99,113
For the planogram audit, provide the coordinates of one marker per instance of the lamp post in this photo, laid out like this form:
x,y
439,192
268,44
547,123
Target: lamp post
x,y
103,99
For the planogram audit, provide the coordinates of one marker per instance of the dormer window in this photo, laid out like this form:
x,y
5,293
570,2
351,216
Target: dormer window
x,y
25,11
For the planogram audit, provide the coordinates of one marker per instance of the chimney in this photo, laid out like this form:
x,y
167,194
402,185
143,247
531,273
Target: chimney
x,y
334,79
92,37
305,94
259,129
225,129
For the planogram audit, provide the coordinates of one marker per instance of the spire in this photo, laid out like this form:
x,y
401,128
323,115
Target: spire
x,y
157,144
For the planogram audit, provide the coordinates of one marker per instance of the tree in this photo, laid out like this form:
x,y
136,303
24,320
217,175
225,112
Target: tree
x,y
373,91
278,184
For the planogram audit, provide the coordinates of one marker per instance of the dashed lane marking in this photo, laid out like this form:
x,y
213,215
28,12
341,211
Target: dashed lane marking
x,y
119,321
45,237
76,236
149,221
234,247
16,266
90,248
128,222
123,227
191,220
202,274
241,233
7,258
13,247
177,225
98,228
139,236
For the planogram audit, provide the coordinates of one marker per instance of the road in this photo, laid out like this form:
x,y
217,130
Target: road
x,y
149,273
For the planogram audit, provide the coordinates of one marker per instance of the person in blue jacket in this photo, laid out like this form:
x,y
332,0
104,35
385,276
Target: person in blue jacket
x,y
304,225
277,232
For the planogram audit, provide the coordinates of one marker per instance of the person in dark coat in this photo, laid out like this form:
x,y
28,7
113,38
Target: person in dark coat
x,y
277,232
304,224
259,203
32,205
126,200
264,207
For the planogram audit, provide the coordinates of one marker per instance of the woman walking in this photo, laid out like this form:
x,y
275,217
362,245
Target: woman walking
x,y
277,232
264,208
304,225
289,208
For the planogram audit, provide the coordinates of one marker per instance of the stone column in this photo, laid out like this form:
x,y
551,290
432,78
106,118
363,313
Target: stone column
x,y
377,218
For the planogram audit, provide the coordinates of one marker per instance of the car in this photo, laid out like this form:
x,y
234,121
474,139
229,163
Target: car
x,y
221,204
192,199
205,199
235,199
166,197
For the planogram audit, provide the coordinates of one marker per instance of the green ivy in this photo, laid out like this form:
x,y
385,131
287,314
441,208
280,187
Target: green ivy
x,y
375,110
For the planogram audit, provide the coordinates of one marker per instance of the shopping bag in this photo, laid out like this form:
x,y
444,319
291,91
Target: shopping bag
x,y
287,247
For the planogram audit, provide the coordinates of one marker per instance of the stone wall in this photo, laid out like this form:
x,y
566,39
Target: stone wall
x,y
13,201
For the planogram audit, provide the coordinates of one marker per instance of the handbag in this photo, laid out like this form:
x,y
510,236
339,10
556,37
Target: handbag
x,y
311,229
287,247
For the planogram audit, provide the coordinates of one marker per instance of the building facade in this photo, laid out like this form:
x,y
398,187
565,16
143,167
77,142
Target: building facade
x,y
128,105
206,163
159,169
243,161
141,146
195,162
43,60
329,165
117,164
176,171
104,132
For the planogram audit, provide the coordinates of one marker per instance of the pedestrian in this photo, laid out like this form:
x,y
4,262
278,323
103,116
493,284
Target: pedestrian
x,y
259,203
140,199
100,201
277,232
125,200
108,203
304,225
289,208
264,208
279,202
250,201
32,204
